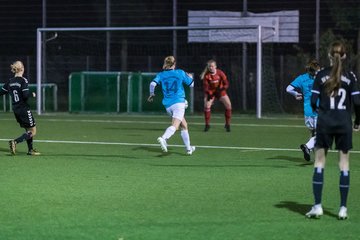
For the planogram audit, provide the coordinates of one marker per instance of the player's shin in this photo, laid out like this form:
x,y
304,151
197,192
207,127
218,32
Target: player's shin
x,y
169,132
227,116
186,138
207,115
344,187
23,137
318,181
30,143
311,143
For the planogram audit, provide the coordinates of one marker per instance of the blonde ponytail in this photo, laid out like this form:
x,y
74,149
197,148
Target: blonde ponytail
x,y
17,67
169,62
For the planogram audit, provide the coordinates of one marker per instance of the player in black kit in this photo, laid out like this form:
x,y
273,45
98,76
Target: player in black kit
x,y
334,91
17,88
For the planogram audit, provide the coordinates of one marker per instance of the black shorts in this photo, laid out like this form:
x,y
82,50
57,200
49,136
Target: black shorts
x,y
343,141
25,118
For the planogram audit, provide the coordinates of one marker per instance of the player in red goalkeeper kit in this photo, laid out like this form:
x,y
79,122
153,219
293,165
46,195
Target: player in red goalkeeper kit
x,y
215,84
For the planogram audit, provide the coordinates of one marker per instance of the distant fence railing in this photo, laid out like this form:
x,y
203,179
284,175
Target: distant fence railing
x,y
49,101
115,92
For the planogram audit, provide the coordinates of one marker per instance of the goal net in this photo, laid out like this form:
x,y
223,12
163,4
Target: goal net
x,y
109,69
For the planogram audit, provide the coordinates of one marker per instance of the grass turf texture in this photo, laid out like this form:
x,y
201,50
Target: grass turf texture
x,y
115,183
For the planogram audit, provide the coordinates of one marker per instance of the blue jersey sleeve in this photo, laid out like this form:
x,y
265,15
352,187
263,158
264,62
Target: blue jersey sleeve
x,y
186,79
297,83
315,93
157,79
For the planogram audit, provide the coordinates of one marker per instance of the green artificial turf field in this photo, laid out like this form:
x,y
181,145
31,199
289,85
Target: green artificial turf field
x,y
104,177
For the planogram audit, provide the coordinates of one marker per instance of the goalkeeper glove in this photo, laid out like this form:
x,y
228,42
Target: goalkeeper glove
x,y
209,96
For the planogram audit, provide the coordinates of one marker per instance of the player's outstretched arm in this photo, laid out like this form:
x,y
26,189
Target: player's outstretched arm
x,y
291,90
190,75
152,90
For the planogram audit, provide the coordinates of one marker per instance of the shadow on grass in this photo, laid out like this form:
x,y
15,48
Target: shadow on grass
x,y
302,162
158,150
18,153
136,127
202,165
87,155
198,164
5,150
301,208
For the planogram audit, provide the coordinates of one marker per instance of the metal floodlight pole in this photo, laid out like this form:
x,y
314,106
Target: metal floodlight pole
x,y
258,75
244,63
38,70
174,31
43,54
108,35
317,31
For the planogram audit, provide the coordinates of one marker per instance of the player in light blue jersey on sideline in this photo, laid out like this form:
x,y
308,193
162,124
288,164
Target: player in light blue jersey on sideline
x,y
172,81
300,88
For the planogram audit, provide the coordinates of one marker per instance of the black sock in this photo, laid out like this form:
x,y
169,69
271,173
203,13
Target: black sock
x,y
313,133
357,114
344,187
30,144
23,137
318,182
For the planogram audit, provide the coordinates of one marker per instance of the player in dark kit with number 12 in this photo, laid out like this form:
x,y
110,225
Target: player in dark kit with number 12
x,y
17,88
335,89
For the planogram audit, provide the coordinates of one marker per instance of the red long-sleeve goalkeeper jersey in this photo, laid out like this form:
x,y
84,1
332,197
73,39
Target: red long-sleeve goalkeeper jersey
x,y
213,83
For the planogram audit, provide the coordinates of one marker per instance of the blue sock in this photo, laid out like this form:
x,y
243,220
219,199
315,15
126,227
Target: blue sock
x,y
344,187
318,182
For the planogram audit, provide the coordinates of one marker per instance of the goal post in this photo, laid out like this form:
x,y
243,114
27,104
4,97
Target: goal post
x,y
40,41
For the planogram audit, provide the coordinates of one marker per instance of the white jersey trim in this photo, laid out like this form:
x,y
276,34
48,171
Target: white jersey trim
x,y
314,91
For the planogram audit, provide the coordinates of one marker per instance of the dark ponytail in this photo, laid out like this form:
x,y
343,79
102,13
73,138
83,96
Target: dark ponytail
x,y
337,55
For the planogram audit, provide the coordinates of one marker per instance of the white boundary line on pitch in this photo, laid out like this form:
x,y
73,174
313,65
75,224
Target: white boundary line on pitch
x,y
157,145
291,117
168,122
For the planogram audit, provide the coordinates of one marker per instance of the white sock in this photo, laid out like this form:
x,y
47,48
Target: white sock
x,y
169,132
311,143
186,138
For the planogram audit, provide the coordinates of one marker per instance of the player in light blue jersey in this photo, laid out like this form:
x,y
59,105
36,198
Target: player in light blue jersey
x,y
171,81
300,88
